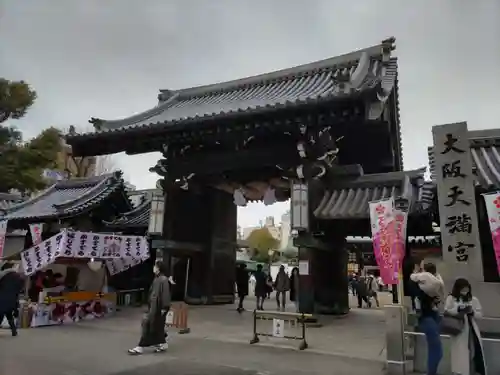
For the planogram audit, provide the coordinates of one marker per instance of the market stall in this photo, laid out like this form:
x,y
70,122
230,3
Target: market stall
x,y
67,275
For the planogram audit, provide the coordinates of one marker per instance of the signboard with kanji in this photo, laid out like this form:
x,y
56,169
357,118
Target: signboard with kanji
x,y
457,204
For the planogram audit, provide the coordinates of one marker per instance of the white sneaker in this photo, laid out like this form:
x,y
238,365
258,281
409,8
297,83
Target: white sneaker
x,y
136,351
161,348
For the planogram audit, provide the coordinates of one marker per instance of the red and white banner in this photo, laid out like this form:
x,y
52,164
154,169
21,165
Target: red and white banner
x,y
492,202
126,250
36,233
3,234
389,238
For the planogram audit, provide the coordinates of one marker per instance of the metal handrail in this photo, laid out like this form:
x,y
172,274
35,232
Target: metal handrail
x,y
285,316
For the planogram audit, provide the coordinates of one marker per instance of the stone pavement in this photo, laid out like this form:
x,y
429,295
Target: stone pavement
x,y
86,349
218,344
361,334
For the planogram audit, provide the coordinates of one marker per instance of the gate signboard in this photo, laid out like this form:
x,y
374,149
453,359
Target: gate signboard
x,y
457,203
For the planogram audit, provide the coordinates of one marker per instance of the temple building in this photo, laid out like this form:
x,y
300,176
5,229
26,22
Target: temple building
x,y
325,134
82,203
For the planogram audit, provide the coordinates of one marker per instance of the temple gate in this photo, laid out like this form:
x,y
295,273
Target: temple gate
x,y
325,134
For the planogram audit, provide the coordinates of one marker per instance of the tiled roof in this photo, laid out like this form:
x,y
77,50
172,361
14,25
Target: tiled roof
x,y
66,198
430,240
7,200
485,152
136,218
370,72
349,198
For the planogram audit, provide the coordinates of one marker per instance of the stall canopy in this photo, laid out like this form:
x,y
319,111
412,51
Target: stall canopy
x,y
119,252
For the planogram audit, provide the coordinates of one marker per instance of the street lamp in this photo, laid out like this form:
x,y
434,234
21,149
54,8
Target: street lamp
x,y
156,215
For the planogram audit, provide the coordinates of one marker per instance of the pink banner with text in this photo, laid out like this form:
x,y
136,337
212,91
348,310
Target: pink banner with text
x,y
492,202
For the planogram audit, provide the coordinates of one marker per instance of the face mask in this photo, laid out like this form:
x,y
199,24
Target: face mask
x,y
464,292
156,271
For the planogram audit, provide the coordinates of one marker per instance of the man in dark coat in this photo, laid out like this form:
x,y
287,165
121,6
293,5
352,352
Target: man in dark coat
x,y
11,284
261,287
153,323
242,278
362,292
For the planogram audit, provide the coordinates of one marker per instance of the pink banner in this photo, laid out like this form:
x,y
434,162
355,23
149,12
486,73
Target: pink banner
x,y
389,238
3,234
492,202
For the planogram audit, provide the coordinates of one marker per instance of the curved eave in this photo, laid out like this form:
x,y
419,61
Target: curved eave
x,y
74,207
137,218
196,121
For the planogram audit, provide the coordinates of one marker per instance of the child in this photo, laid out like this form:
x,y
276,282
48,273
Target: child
x,y
429,282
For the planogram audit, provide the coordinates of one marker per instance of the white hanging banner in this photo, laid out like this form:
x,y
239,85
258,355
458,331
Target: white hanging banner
x,y
111,246
28,261
144,249
38,257
3,234
126,247
36,233
120,252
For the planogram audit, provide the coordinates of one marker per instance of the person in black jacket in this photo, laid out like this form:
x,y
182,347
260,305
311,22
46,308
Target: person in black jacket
x,y
11,284
242,278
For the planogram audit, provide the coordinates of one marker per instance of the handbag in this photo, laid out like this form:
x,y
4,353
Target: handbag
x,y
452,325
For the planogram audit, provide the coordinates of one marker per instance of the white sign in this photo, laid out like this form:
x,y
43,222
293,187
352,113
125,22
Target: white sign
x,y
278,328
304,267
457,202
170,317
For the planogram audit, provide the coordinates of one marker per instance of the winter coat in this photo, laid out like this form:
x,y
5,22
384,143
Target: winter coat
x,y
260,284
361,287
294,287
282,282
242,278
11,285
462,345
430,284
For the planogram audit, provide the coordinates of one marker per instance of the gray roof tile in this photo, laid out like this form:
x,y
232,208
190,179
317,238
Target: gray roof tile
x,y
338,77
7,200
66,198
137,218
485,152
349,199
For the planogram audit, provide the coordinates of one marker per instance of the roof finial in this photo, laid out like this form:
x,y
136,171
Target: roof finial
x,y
97,123
164,95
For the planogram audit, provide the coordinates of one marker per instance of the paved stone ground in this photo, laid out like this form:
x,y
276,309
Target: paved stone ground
x,y
217,345
87,349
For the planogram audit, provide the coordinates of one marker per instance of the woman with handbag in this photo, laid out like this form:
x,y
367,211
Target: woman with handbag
x,y
467,355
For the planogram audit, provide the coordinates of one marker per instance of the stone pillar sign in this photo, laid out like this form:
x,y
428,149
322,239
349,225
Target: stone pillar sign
x,y
457,205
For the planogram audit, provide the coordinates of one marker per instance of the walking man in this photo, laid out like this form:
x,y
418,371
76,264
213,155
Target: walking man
x,y
153,322
242,280
282,285
11,284
362,293
260,287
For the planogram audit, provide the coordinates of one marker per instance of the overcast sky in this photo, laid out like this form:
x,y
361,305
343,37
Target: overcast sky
x,y
108,59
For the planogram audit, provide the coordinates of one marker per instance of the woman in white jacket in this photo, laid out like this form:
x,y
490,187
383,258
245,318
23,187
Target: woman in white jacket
x,y
467,355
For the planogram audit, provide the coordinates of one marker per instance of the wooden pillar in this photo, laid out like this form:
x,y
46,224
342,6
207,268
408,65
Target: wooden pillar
x,y
306,286
329,267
